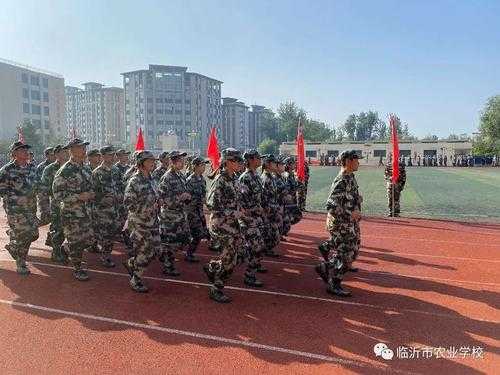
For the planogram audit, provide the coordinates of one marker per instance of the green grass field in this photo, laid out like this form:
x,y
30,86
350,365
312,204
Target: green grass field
x,y
469,194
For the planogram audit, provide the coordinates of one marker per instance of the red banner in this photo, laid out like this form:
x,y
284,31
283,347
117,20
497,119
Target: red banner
x,y
139,145
395,149
213,152
301,155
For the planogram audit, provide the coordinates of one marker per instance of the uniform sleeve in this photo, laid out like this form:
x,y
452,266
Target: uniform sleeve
x,y
97,184
61,191
45,185
340,203
131,197
4,184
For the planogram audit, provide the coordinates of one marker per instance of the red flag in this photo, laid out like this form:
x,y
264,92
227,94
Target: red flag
x,y
139,145
301,155
213,150
20,136
395,149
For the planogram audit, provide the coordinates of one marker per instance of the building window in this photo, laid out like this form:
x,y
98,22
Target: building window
x,y
47,124
26,108
45,82
46,97
46,111
379,153
24,78
35,81
35,109
26,94
35,95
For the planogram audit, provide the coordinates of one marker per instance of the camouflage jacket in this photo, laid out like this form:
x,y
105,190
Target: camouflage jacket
x,y
48,177
172,185
70,181
17,182
250,186
222,198
118,171
40,168
270,192
402,175
197,187
141,201
104,187
158,173
344,198
291,183
129,173
282,190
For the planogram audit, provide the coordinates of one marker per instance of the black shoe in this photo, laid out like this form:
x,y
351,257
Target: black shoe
x,y
128,267
336,289
191,259
210,274
353,269
81,275
171,271
252,281
21,268
218,295
272,254
325,252
107,262
137,285
322,271
261,269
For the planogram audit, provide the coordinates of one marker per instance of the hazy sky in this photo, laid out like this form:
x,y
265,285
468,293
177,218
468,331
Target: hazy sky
x,y
432,62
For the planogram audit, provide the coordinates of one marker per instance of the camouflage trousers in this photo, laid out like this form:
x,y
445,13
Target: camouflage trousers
x,y
23,230
253,245
287,221
198,229
343,246
79,235
145,242
44,207
56,230
271,232
174,233
301,196
106,225
397,196
226,233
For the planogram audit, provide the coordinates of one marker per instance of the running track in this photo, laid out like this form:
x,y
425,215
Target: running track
x,y
421,283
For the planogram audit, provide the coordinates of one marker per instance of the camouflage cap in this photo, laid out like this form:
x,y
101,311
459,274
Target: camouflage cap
x,y
106,150
121,151
18,145
281,159
93,152
251,154
349,154
48,151
198,160
269,158
76,142
58,149
231,154
176,154
163,155
289,160
144,155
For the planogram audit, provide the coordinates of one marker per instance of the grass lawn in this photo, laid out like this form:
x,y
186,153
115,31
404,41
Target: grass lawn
x,y
471,194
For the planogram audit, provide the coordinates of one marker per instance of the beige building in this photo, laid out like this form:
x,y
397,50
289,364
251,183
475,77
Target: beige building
x,y
234,129
28,93
96,114
372,151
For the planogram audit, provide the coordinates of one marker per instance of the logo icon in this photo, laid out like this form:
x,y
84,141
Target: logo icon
x,y
382,350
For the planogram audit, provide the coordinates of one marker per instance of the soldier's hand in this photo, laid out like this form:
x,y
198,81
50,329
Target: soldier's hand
x,y
356,215
185,196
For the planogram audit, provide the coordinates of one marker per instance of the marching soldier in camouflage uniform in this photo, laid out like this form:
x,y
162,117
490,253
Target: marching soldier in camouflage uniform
x,y
196,186
106,205
118,172
283,195
73,188
94,158
55,229
162,168
294,212
18,190
302,190
343,213
223,224
43,199
174,228
398,188
251,222
141,201
270,204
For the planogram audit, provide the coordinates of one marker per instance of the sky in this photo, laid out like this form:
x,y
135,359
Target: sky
x,y
434,63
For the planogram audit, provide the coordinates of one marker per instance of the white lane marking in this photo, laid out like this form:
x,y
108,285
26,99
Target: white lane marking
x,y
196,335
282,294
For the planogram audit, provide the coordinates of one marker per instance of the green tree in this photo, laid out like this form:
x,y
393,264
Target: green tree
x,y
350,126
270,125
268,146
488,141
31,136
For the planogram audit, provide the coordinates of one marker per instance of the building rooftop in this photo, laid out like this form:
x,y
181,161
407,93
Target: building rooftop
x,y
169,68
28,67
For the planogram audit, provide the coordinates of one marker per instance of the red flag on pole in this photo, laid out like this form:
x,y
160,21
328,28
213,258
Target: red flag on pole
x,y
301,155
139,145
395,149
20,135
213,150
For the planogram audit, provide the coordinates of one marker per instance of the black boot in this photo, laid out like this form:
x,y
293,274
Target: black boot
x,y
107,262
335,288
137,285
81,275
218,295
252,281
169,270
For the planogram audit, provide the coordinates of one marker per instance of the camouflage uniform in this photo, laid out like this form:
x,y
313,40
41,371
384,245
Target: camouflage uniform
x,y
196,186
302,189
251,221
157,174
55,229
294,213
398,187
174,228
106,212
272,216
283,192
118,172
141,201
43,198
15,183
71,180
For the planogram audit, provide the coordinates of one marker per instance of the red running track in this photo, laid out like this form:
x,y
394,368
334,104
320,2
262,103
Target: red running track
x,y
422,283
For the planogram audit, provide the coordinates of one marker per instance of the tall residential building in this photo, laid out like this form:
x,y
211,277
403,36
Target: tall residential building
x,y
96,114
170,100
28,93
255,119
234,131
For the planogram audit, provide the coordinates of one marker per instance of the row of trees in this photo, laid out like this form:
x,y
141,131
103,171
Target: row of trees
x,y
488,141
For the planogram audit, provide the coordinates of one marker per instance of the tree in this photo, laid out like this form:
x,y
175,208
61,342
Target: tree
x,y
268,146
31,137
270,125
349,127
488,141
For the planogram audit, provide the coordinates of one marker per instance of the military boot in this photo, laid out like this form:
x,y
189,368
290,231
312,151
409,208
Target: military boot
x,y
251,280
22,268
137,285
81,275
335,288
107,262
218,295
169,270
